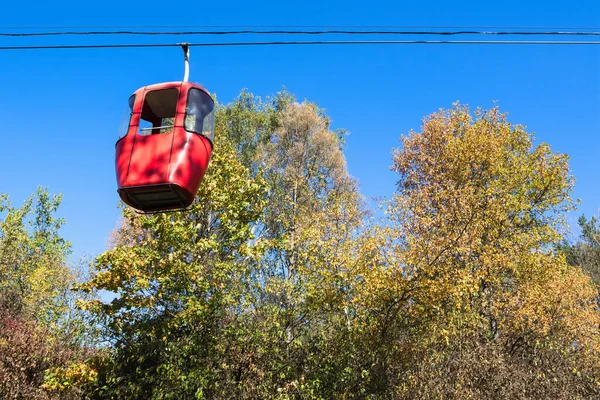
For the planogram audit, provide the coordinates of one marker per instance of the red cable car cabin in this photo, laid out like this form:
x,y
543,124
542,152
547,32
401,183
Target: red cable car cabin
x,y
164,152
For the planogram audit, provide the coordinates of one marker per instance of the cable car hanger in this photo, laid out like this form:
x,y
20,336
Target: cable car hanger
x,y
186,61
165,149
186,75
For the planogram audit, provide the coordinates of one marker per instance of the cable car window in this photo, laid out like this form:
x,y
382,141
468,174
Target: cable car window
x,y
124,128
200,114
158,111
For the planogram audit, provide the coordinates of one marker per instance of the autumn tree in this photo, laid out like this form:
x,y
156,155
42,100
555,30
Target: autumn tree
x,y
467,296
39,327
585,252
312,216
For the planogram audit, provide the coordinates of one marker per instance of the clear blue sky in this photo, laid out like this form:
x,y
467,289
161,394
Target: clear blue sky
x,y
61,110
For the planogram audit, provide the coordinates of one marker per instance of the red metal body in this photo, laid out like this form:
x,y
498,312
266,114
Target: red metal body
x,y
162,168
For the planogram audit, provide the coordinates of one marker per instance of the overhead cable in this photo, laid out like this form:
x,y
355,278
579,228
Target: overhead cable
x,y
571,28
297,32
294,43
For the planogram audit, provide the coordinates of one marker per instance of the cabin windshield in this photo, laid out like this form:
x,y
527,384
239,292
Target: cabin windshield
x,y
200,114
158,111
124,127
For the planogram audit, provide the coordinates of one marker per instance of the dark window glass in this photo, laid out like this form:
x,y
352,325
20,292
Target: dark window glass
x,y
124,127
200,114
158,112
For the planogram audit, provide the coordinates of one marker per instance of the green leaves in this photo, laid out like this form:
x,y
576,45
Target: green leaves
x,y
179,282
33,257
